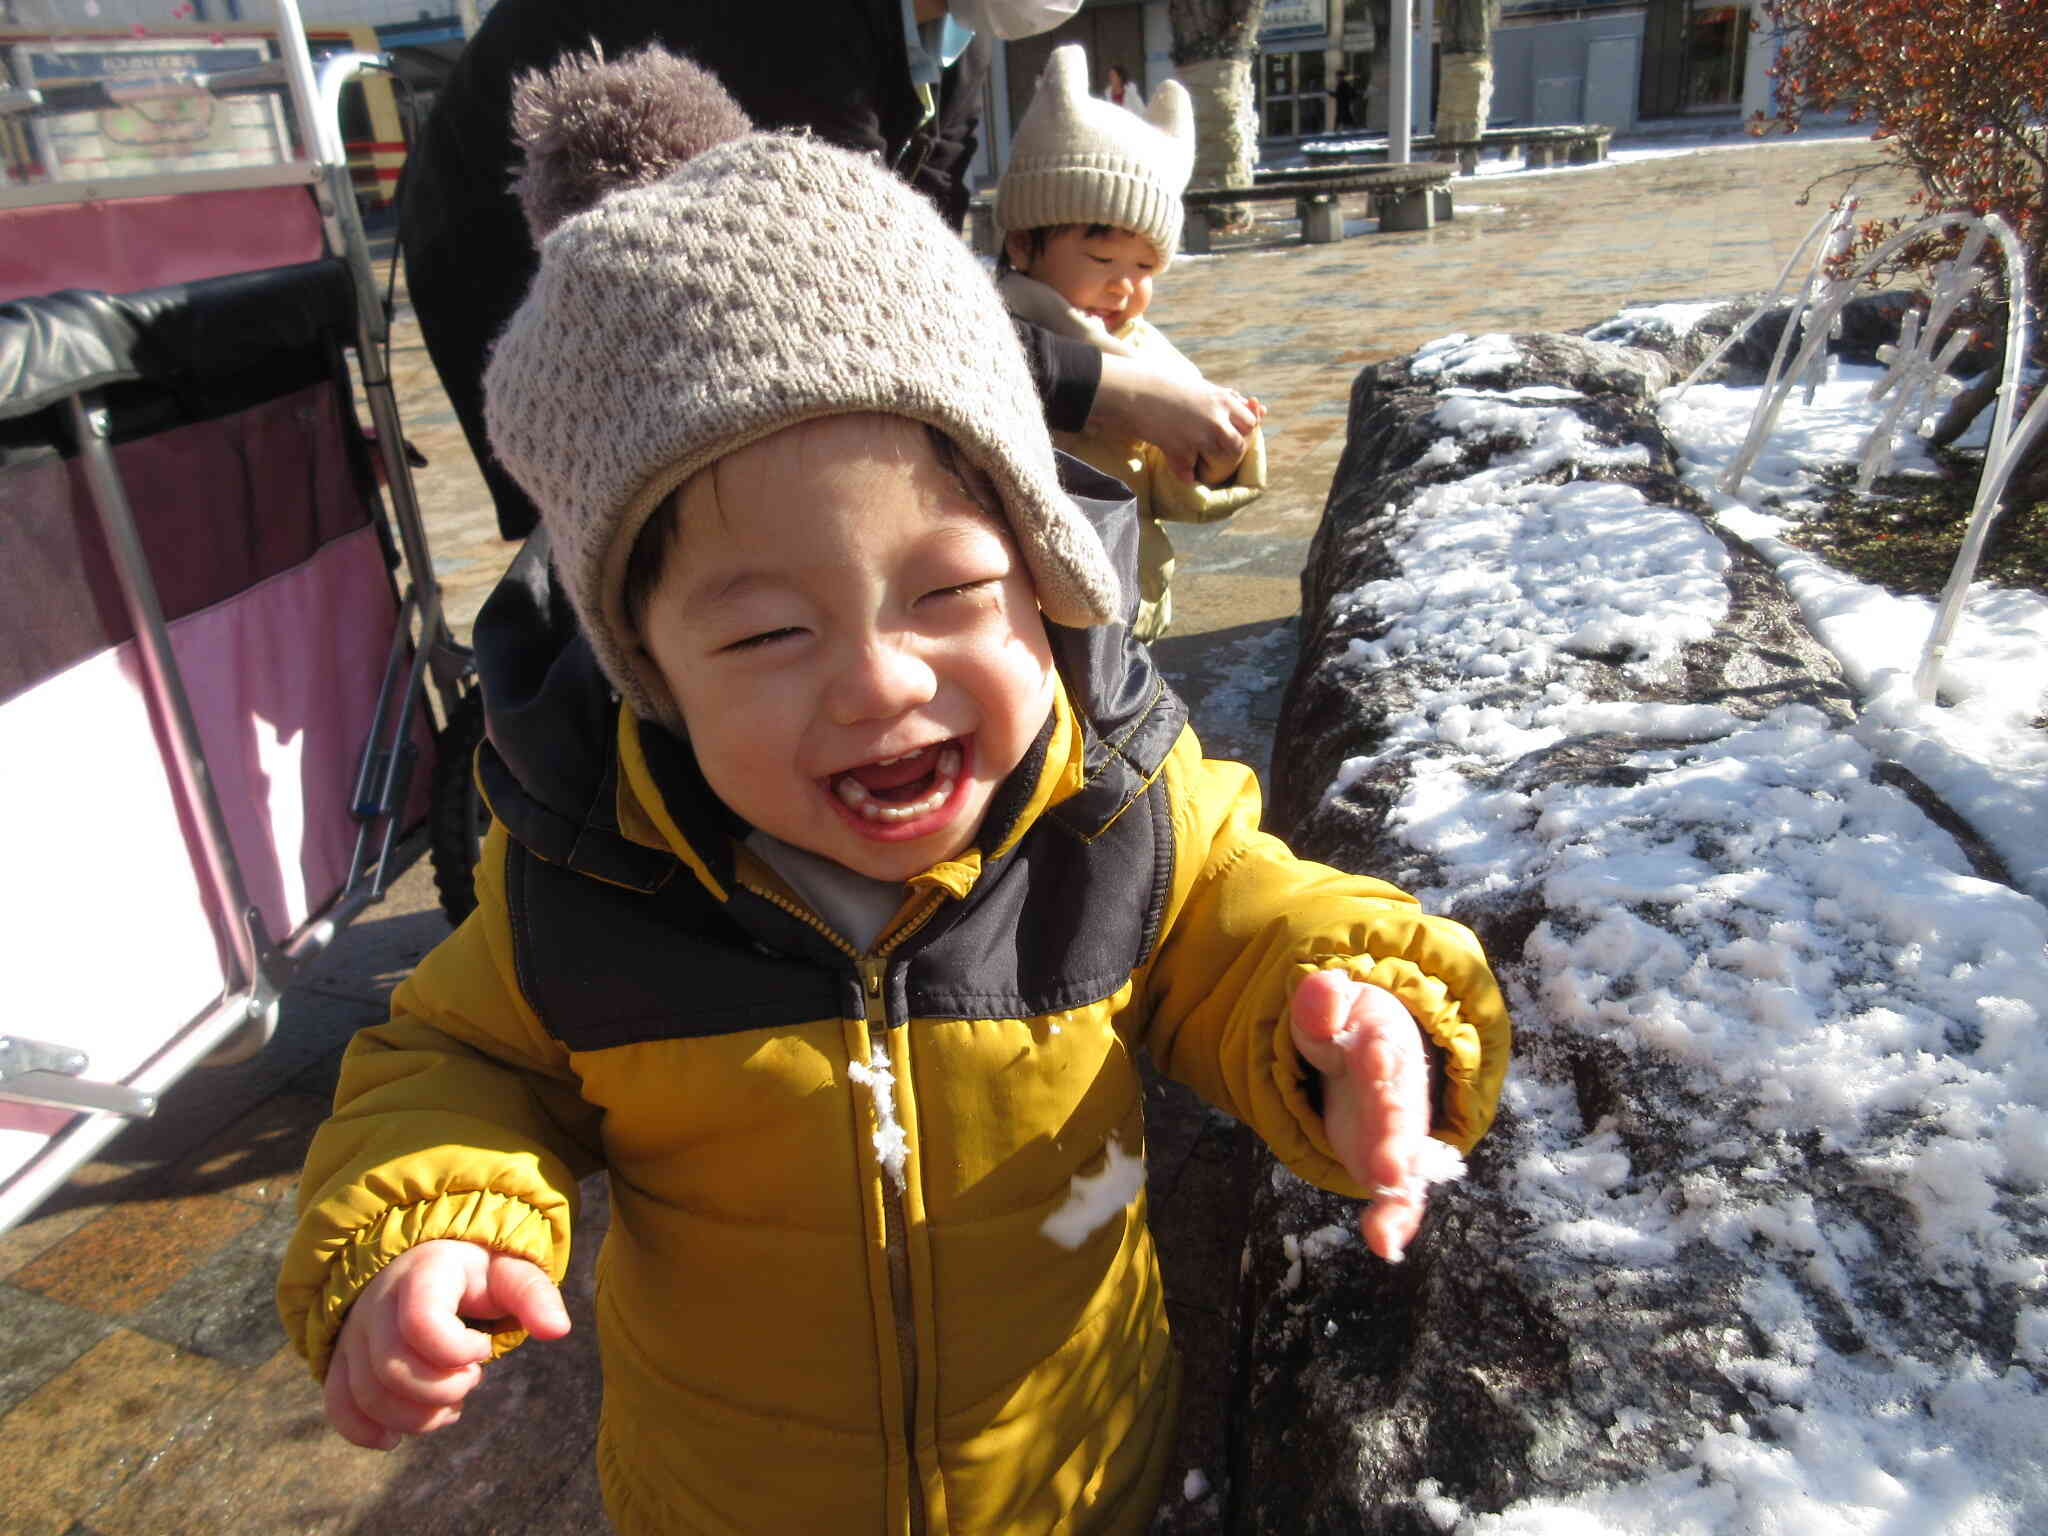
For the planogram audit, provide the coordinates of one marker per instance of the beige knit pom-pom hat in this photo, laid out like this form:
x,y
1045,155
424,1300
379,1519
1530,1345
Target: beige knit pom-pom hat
x,y
1077,159
733,284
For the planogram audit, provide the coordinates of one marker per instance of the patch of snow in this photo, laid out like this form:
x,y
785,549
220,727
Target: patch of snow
x,y
1097,1198
892,1148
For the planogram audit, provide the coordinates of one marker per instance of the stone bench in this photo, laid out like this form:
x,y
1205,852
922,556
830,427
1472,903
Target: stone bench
x,y
1562,144
1541,147
1403,197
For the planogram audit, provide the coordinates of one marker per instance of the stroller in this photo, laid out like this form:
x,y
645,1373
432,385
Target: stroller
x,y
230,704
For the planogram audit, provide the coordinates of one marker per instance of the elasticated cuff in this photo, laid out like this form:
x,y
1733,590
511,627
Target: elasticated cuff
x,y
501,1223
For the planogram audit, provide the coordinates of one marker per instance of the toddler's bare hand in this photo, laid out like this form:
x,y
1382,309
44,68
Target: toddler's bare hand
x,y
406,1359
1369,1051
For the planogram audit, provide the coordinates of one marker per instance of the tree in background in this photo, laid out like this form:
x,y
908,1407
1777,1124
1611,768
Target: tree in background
x,y
1212,54
1465,81
1956,91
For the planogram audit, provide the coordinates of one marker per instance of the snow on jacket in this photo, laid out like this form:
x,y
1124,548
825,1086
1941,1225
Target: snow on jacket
x,y
1161,494
834,1295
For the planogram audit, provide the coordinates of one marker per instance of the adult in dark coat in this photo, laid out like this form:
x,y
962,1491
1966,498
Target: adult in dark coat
x,y
838,67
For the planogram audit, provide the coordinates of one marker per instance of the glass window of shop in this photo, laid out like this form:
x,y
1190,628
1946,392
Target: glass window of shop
x,y
1716,48
1289,77
1293,92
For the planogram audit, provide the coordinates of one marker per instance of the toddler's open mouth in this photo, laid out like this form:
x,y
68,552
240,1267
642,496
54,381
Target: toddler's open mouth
x,y
897,790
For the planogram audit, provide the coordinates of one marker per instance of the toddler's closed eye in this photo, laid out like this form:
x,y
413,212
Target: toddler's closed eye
x,y
755,642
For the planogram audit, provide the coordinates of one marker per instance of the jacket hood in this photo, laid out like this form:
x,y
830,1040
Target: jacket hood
x,y
551,766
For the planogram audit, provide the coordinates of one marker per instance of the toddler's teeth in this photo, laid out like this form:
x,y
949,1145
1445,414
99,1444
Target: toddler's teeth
x,y
849,789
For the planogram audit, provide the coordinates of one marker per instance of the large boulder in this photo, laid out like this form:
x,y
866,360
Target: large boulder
x,y
1669,1255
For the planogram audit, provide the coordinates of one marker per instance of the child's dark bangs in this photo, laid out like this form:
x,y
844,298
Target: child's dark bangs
x,y
972,479
649,555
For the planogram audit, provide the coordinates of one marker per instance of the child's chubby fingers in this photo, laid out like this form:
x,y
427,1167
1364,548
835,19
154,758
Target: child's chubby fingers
x,y
1321,1019
1389,1082
404,1361
521,1290
1389,1223
374,1398
346,1419
1369,1052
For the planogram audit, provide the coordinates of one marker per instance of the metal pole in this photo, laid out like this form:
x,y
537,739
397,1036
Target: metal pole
x,y
1400,80
166,688
322,141
1425,71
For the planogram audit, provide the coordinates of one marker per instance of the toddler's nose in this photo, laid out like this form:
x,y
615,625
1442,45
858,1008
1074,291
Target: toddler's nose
x,y
881,679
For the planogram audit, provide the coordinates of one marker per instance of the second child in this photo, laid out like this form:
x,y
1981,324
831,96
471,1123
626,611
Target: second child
x,y
1089,214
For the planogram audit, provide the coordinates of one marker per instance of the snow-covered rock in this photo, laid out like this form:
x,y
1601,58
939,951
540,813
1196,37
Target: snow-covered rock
x,y
1760,1239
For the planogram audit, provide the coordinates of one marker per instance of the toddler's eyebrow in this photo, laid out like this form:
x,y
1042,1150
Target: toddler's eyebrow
x,y
713,592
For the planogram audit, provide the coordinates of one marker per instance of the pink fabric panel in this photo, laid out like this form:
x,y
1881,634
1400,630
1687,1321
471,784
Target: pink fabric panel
x,y
109,945
126,244
107,905
283,681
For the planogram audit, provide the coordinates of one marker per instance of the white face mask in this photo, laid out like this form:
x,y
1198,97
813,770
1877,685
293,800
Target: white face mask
x,y
1012,19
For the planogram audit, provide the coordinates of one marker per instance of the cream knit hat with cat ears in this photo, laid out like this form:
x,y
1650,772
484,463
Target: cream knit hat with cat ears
x,y
703,286
1078,159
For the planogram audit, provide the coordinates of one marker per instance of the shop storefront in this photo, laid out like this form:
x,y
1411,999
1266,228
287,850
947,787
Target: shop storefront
x,y
1695,56
1291,79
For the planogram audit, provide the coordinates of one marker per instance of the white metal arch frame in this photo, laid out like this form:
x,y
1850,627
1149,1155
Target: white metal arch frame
x,y
1915,369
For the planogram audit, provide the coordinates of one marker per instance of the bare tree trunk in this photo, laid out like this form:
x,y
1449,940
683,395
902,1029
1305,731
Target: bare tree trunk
x,y
1465,98
1466,26
1212,52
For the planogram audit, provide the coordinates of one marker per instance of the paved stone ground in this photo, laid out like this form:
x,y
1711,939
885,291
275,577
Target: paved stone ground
x,y
145,1389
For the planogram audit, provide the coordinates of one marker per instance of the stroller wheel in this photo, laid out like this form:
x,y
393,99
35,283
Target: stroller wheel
x,y
459,816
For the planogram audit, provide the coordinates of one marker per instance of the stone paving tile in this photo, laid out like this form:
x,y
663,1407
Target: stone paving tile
x,y
267,1465
128,1256
42,1229
225,1307
43,1337
69,1445
259,1157
262,1464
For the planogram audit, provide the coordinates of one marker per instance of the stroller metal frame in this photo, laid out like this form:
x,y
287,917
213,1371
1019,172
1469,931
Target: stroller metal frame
x,y
422,657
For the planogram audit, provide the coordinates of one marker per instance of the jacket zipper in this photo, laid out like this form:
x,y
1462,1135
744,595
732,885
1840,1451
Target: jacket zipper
x,y
873,970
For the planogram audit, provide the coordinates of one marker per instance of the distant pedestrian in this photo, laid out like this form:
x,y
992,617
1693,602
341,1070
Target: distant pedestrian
x,y
1347,100
1122,89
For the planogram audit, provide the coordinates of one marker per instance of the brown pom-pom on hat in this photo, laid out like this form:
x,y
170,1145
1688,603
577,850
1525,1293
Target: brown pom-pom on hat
x,y
589,128
714,290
